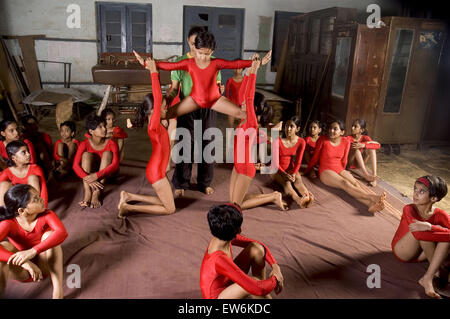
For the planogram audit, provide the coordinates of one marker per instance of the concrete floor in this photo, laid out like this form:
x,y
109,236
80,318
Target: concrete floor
x,y
400,171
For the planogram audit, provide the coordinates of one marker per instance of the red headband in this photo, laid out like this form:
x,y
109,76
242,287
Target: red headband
x,y
424,181
235,206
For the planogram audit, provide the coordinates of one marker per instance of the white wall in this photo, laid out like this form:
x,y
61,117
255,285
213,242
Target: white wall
x,y
48,17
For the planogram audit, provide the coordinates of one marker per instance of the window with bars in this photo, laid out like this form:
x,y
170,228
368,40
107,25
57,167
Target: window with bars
x,y
123,27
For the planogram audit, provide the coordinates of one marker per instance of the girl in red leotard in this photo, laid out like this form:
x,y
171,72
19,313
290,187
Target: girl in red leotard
x,y
244,167
150,110
65,149
363,148
30,239
331,153
9,133
224,278
203,71
424,231
95,152
232,93
288,148
314,132
20,171
114,132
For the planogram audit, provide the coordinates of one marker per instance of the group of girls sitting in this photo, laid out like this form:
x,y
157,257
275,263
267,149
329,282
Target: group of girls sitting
x,y
35,233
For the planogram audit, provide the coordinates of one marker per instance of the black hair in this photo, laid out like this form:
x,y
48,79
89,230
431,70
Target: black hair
x,y
319,124
12,148
294,119
224,221
3,125
362,123
16,197
93,121
438,187
206,40
339,122
196,30
24,119
105,113
144,110
70,125
263,109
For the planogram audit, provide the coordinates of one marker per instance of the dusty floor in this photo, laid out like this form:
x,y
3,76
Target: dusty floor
x,y
400,171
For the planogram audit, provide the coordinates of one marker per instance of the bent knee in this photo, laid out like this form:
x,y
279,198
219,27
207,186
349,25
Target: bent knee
x,y
257,250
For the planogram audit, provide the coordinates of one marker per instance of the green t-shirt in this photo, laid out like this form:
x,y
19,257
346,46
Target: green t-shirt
x,y
185,78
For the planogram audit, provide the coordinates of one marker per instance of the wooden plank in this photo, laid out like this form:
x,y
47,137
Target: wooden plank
x,y
30,62
8,81
281,66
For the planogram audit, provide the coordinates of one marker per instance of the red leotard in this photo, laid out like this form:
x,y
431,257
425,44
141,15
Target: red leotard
x,y
286,155
364,139
232,90
24,240
440,227
119,133
310,145
55,149
156,167
86,146
218,271
204,88
4,154
330,157
33,169
246,132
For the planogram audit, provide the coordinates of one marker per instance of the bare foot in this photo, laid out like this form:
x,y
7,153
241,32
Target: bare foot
x,y
429,289
208,190
95,201
179,192
122,211
308,200
373,183
84,203
379,205
123,198
279,201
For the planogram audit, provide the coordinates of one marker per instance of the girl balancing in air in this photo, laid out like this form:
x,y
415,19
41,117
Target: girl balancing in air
x,y
244,168
424,231
203,70
20,171
331,153
9,133
30,239
363,148
150,110
97,158
223,277
290,153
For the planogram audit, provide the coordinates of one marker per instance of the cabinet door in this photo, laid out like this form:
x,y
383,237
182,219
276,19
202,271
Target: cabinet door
x,y
139,28
112,27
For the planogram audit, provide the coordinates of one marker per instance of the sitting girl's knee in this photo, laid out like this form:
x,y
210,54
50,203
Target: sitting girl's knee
x,y
257,250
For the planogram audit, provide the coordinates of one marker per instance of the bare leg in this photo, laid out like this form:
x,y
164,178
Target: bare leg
x,y
256,200
232,183
107,158
7,271
373,162
188,105
86,163
251,257
351,157
287,188
163,204
51,262
439,253
407,248
307,197
224,105
359,159
4,186
333,179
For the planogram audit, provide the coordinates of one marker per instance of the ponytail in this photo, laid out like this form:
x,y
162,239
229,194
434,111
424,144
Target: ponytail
x,y
143,111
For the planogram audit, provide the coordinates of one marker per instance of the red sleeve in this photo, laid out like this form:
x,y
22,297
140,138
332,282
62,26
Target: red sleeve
x,y
4,175
441,235
316,155
243,241
32,152
58,235
111,168
347,150
55,151
36,170
47,140
5,226
157,100
180,65
236,64
299,155
118,132
226,267
77,160
370,146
